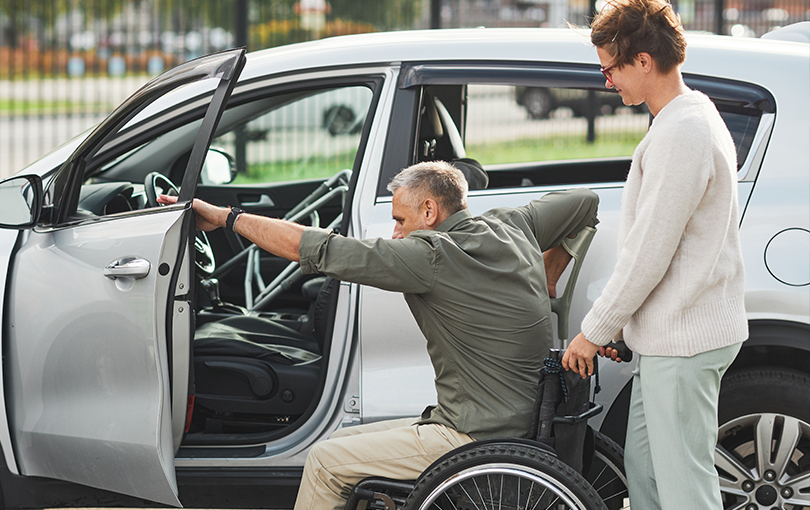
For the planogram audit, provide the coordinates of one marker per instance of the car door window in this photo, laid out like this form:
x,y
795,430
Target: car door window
x,y
300,135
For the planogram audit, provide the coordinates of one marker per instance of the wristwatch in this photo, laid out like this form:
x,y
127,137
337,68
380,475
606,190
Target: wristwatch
x,y
229,222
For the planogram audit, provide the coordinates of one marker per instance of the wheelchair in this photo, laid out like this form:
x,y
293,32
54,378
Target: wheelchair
x,y
584,470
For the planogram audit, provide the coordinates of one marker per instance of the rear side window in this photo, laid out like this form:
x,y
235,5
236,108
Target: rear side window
x,y
543,124
507,125
742,123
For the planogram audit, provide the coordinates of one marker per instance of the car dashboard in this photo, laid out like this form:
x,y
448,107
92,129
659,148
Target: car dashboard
x,y
102,199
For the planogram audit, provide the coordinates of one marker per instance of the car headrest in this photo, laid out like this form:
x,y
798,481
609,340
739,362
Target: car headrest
x,y
430,127
473,171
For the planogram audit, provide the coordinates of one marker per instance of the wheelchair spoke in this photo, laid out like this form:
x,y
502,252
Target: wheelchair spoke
x,y
468,496
529,497
621,494
606,474
480,496
600,476
553,502
489,486
540,499
602,487
500,496
449,499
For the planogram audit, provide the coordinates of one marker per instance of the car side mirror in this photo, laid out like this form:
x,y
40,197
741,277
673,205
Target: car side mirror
x,y
20,202
218,168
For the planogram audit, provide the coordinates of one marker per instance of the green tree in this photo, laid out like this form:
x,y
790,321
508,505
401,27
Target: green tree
x,y
384,14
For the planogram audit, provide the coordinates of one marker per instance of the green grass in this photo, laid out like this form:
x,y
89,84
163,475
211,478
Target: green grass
x,y
282,171
559,148
39,106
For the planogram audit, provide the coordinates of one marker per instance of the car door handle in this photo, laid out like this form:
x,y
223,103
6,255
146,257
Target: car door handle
x,y
264,201
127,267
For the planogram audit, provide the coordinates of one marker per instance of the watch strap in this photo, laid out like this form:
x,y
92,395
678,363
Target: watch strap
x,y
229,222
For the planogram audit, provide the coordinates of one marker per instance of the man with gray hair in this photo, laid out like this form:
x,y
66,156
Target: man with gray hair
x,y
478,288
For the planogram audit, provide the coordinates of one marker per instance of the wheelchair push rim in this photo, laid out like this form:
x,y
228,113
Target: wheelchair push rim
x,y
504,478
540,484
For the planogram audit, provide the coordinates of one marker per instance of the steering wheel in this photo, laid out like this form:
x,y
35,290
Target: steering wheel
x,y
157,184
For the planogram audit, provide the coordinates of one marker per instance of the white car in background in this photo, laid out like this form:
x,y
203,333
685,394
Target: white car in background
x,y
118,387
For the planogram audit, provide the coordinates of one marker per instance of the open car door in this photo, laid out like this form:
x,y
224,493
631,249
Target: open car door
x,y
100,311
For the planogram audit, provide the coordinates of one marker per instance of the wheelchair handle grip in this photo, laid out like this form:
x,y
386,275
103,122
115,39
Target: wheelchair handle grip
x,y
623,351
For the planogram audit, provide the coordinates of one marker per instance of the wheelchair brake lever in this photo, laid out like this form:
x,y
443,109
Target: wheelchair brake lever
x,y
369,495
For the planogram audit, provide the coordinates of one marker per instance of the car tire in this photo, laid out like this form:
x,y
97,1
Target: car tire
x,y
537,102
511,475
763,448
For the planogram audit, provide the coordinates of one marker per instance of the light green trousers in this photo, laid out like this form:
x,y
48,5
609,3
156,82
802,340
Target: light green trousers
x,y
672,431
397,449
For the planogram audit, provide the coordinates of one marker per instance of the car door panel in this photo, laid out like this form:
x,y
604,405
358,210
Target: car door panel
x,y
88,354
279,197
273,200
7,240
181,354
94,303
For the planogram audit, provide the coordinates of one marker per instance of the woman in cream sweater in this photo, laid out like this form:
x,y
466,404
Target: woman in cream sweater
x,y
676,294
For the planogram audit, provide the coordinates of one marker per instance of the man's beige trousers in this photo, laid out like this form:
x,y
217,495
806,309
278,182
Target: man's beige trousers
x,y
397,449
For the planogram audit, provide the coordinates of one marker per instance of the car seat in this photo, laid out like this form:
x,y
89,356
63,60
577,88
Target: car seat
x,y
254,365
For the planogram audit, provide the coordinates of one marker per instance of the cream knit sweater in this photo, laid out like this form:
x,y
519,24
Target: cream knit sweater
x,y
677,289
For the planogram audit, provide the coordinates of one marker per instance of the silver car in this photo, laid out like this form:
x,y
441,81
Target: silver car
x,y
143,362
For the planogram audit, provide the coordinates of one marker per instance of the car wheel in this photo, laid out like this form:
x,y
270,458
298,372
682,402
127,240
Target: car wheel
x,y
537,102
763,450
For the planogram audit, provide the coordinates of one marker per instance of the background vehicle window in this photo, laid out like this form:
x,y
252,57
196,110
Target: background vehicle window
x,y
508,124
296,136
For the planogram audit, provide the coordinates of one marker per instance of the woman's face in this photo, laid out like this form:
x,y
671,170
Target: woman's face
x,y
628,80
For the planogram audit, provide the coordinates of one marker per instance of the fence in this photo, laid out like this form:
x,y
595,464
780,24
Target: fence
x,y
64,64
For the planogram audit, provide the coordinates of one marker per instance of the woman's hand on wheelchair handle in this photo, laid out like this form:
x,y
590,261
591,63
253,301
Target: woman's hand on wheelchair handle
x,y
616,351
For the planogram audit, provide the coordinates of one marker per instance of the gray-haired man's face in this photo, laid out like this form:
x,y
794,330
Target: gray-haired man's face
x,y
407,217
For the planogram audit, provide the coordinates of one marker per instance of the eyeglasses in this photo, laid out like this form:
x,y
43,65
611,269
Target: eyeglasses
x,y
608,72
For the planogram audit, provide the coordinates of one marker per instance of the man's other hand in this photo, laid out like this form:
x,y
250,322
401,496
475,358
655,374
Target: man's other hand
x,y
555,260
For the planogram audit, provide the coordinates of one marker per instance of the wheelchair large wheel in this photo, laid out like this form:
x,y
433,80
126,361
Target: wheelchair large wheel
x,y
502,476
606,473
